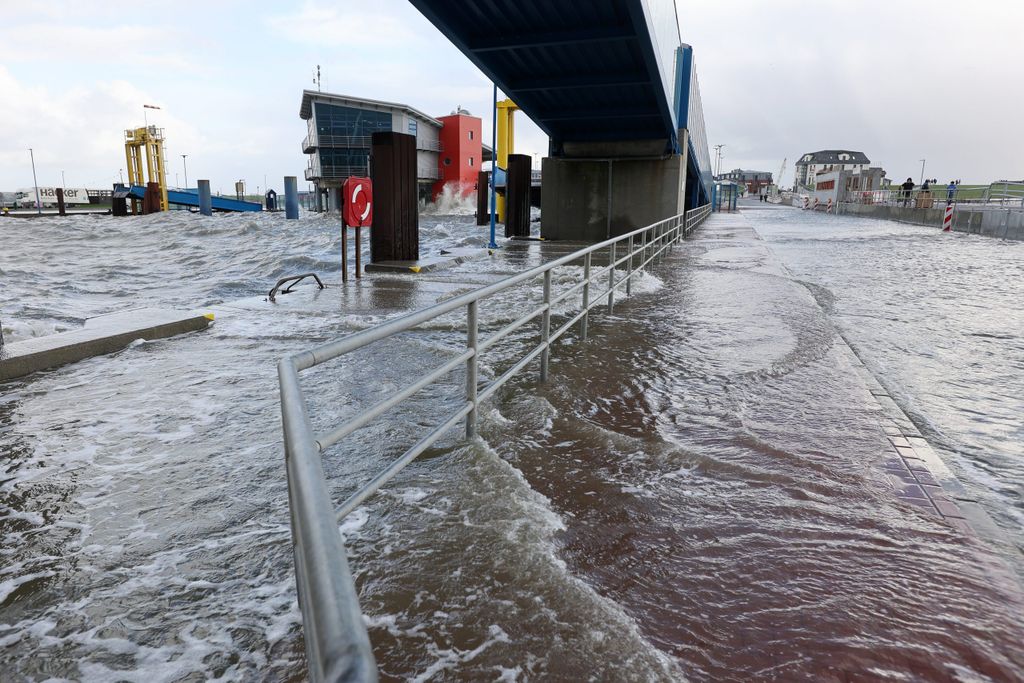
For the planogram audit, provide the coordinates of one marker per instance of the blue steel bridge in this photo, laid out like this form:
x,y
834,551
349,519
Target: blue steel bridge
x,y
605,79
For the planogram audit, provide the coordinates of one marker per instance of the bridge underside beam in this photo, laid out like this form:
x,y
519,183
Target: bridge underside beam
x,y
549,38
571,67
573,81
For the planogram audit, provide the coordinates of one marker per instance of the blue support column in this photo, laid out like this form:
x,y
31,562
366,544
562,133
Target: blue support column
x,y
494,165
205,202
291,197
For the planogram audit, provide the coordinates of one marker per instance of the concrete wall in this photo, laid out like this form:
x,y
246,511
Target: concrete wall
x,y
1003,223
594,199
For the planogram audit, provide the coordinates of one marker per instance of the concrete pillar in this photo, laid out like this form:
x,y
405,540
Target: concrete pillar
x,y
592,199
291,197
334,200
205,201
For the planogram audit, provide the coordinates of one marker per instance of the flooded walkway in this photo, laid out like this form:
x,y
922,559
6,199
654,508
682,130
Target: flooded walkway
x,y
702,491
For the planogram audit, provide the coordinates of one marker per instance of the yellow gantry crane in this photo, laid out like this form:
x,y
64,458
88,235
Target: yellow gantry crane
x,y
146,143
505,143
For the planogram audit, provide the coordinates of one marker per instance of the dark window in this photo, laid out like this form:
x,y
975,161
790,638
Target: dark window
x,y
351,129
447,161
470,135
332,119
471,161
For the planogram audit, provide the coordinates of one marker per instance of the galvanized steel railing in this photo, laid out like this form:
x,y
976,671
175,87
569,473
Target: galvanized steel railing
x,y
337,643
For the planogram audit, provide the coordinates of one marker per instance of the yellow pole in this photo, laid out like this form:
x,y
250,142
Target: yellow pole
x,y
506,143
131,153
158,146
150,172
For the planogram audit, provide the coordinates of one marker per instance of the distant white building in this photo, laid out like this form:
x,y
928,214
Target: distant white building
x,y
846,185
813,163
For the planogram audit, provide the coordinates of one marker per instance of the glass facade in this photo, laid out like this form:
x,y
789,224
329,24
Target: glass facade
x,y
332,119
663,25
351,129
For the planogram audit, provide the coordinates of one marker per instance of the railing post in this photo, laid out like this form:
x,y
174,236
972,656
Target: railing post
x,y
643,248
586,297
629,267
545,327
471,367
611,276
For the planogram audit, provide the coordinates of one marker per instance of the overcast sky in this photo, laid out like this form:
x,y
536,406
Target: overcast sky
x,y
898,80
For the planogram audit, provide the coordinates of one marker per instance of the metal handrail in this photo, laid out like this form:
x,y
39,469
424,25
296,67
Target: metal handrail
x,y
337,643
294,279
938,194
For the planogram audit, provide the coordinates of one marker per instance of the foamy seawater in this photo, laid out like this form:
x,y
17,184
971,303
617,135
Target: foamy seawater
x,y
690,497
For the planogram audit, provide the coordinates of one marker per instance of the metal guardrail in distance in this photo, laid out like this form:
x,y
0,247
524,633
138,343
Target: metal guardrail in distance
x,y
337,642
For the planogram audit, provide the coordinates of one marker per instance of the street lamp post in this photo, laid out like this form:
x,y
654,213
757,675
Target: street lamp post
x,y
185,164
35,183
718,155
921,182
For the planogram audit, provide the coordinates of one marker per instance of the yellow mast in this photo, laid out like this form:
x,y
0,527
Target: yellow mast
x,y
505,143
151,141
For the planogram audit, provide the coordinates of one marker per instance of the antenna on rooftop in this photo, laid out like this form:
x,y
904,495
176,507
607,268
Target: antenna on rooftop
x,y
317,79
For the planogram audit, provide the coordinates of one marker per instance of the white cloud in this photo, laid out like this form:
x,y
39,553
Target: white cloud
x,y
80,130
344,26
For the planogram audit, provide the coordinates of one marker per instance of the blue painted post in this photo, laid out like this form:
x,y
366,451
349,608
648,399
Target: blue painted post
x,y
205,202
291,197
494,165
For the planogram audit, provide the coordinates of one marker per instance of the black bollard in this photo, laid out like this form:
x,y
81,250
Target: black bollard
x,y
60,201
396,223
517,195
483,198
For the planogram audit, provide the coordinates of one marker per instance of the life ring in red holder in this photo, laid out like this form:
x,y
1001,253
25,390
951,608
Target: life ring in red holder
x,y
357,195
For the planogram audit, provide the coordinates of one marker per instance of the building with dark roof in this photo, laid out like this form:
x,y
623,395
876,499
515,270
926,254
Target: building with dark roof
x,y
752,180
812,163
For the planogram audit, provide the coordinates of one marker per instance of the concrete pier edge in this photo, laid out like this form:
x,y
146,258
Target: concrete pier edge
x,y
101,335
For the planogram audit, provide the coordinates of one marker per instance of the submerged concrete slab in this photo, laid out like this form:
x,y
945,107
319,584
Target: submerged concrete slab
x,y
447,259
100,335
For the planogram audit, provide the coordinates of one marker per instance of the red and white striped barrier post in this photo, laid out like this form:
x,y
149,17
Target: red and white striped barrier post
x,y
807,203
815,207
828,208
947,219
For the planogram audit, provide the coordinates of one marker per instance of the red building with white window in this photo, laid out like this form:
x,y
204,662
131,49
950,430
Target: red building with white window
x,y
461,151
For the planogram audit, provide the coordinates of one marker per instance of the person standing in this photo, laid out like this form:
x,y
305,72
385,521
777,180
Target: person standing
x,y
762,191
950,192
905,191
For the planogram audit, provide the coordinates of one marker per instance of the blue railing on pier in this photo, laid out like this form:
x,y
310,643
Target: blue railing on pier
x,y
191,198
